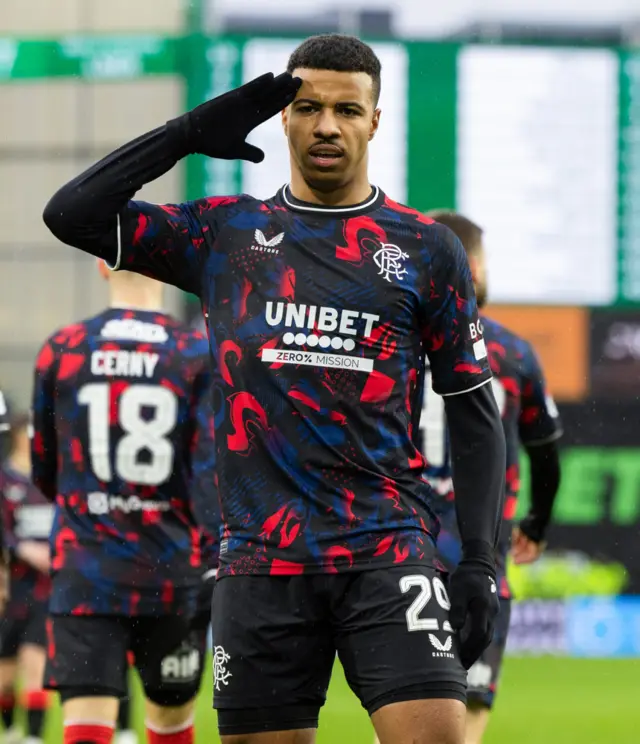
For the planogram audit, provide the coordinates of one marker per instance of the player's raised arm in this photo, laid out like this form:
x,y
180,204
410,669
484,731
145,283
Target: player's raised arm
x,y
44,448
460,370
94,211
540,429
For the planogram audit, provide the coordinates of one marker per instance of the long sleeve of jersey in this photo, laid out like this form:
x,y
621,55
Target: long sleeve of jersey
x,y
44,442
478,457
545,482
84,212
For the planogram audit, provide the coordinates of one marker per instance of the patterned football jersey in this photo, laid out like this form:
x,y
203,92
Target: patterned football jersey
x,y
26,515
318,322
529,416
117,400
204,487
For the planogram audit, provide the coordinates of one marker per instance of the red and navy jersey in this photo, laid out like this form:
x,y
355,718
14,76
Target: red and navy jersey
x,y
26,516
529,417
204,487
117,406
318,322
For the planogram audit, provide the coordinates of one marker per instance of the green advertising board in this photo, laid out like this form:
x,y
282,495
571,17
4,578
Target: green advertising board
x,y
89,57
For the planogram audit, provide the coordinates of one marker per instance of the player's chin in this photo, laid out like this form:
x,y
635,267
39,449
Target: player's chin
x,y
325,179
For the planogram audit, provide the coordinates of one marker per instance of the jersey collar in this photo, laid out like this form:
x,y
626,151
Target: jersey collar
x,y
373,202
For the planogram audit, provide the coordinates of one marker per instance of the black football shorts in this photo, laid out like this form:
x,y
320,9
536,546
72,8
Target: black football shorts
x,y
482,678
275,639
26,627
87,656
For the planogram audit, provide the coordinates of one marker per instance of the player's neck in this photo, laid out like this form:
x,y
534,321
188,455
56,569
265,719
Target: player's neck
x,y
352,193
20,462
135,299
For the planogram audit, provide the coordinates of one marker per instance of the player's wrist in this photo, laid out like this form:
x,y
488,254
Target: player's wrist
x,y
179,136
479,553
534,527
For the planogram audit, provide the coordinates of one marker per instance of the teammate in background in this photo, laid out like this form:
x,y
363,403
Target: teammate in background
x,y
206,505
320,304
26,518
5,425
7,702
530,417
115,404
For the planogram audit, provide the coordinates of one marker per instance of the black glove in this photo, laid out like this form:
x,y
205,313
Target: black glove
x,y
474,601
533,528
218,128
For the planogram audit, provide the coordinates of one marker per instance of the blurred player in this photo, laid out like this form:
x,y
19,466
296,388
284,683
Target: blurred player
x,y
530,417
27,517
5,425
320,304
206,505
115,407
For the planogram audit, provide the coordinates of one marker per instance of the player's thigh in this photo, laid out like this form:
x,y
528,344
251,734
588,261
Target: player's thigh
x,y
8,674
305,736
169,656
32,653
395,641
484,675
31,663
273,653
86,656
476,724
10,638
433,721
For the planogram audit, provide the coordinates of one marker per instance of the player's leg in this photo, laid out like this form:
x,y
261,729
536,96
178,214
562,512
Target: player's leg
x,y
272,656
399,654
86,664
9,642
35,700
32,657
125,733
483,677
8,674
169,656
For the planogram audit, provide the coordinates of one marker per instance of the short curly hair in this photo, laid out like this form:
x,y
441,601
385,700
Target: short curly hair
x,y
337,52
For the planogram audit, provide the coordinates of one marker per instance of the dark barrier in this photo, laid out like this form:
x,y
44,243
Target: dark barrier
x,y
598,508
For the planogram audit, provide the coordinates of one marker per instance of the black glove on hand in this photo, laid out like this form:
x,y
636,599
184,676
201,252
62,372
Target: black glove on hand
x,y
218,128
474,601
533,528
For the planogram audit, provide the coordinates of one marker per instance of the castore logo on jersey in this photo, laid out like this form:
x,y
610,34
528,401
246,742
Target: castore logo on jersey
x,y
264,245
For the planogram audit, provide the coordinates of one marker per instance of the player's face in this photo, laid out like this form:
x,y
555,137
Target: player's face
x,y
478,266
329,127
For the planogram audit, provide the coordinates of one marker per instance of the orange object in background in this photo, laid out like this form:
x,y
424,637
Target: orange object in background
x,y
560,337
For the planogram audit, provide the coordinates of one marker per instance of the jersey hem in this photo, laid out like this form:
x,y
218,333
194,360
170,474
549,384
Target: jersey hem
x,y
546,440
314,570
466,390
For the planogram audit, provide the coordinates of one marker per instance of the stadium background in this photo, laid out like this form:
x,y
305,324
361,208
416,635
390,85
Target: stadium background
x,y
528,119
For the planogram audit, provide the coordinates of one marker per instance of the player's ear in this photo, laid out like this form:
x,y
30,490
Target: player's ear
x,y
285,120
474,265
375,123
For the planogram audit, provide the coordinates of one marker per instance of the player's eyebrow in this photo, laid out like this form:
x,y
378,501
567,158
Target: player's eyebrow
x,y
315,102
